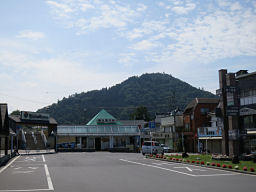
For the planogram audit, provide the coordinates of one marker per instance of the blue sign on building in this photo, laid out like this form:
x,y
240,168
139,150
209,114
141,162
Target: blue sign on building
x,y
152,124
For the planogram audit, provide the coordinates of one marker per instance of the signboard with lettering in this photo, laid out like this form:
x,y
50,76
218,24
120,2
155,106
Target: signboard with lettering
x,y
232,111
247,111
233,134
161,135
236,133
219,92
33,116
230,89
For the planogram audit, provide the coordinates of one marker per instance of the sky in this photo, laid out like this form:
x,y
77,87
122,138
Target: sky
x,y
52,49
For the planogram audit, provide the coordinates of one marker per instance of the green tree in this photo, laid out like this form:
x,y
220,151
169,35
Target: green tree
x,y
16,112
141,113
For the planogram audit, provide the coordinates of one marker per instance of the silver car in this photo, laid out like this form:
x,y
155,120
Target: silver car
x,y
151,147
166,148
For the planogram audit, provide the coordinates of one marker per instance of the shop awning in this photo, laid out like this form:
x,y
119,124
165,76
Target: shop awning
x,y
209,138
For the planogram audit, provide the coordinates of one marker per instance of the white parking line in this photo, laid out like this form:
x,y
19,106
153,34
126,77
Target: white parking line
x,y
14,190
1,170
43,158
148,165
49,180
155,167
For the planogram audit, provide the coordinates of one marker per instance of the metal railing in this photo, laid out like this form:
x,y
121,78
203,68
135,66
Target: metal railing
x,y
106,130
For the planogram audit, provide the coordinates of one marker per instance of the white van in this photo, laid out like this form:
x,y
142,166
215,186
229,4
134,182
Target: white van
x,y
151,147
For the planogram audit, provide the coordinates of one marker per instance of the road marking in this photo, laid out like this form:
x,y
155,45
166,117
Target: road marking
x,y
18,172
148,165
227,171
1,170
190,169
29,162
49,180
221,174
33,168
156,167
185,168
25,190
43,158
162,163
18,168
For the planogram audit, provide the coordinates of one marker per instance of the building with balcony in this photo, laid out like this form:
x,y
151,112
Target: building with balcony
x,y
238,103
210,138
194,117
246,83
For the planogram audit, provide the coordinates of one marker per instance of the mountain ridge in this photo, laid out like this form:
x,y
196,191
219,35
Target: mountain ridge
x,y
159,92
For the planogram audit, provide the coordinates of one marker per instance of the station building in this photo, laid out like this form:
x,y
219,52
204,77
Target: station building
x,y
102,133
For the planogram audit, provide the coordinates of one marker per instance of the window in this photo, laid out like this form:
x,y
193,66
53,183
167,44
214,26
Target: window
x,y
187,127
204,111
248,122
242,101
248,97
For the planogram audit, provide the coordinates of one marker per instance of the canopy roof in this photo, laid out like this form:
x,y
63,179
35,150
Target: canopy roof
x,y
103,118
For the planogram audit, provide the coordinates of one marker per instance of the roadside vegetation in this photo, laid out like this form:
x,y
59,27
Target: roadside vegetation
x,y
207,160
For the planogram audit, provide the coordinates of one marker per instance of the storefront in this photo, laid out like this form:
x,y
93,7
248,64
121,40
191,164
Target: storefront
x,y
209,140
248,129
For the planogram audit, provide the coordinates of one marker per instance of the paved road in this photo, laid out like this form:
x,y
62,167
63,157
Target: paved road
x,y
115,172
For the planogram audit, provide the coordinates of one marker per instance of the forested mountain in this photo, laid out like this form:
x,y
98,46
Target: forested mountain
x,y
157,92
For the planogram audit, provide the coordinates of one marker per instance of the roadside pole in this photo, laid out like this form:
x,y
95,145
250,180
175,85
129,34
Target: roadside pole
x,y
151,142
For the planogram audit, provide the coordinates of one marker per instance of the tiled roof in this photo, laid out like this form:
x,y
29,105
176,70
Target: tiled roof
x,y
196,101
16,119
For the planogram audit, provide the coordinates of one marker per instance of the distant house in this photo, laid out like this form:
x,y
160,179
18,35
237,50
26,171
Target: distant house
x,y
194,117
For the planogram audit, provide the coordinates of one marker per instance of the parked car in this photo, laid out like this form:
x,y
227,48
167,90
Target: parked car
x,y
151,147
166,148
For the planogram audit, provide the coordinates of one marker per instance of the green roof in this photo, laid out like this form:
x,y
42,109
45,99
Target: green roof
x,y
103,118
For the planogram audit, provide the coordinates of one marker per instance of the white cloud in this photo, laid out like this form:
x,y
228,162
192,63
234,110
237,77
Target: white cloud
x,y
60,9
30,78
184,9
147,28
106,14
127,59
144,45
224,3
141,7
86,6
216,36
236,6
32,35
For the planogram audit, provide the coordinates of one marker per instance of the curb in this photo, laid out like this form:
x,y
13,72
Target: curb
x,y
199,165
25,154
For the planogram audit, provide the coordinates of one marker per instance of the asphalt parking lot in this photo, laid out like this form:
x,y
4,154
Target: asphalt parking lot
x,y
114,172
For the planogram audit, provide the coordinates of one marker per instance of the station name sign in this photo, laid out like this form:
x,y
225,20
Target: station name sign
x,y
27,115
